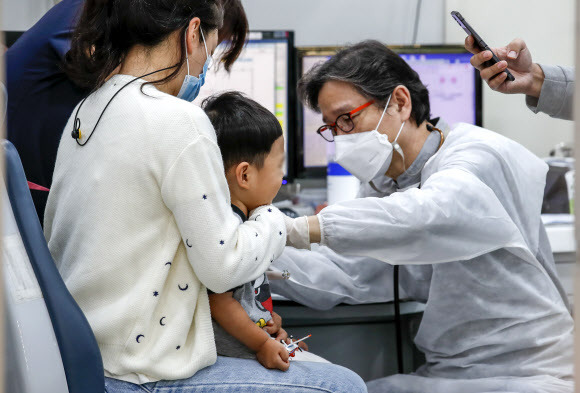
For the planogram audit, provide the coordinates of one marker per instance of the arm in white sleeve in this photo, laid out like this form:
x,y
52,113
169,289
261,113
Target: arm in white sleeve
x,y
222,252
321,279
454,216
557,94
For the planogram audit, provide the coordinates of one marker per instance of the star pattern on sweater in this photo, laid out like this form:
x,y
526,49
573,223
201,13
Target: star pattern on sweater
x,y
156,293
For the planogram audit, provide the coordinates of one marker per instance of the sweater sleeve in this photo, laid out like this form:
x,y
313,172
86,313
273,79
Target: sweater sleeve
x,y
222,252
557,94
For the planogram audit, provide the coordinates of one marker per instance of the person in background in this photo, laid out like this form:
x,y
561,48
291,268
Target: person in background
x,y
548,89
3,99
36,81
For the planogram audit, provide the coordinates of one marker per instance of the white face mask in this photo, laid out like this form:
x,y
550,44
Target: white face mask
x,y
367,154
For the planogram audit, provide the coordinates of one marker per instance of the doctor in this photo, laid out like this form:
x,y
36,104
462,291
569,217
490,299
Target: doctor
x,y
462,214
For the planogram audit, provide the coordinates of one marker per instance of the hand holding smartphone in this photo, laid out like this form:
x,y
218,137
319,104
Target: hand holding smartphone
x,y
479,42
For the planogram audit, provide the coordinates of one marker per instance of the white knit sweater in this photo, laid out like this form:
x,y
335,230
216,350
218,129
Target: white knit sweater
x,y
139,223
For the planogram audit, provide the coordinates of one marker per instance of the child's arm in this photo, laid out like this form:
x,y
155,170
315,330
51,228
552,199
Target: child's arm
x,y
274,328
231,316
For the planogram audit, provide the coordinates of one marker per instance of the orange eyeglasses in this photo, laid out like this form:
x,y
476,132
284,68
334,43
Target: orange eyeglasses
x,y
344,122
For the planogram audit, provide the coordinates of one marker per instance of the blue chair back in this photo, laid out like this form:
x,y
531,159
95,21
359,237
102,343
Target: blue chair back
x,y
78,347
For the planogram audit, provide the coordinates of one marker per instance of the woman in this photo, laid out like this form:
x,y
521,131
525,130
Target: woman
x,y
461,212
138,218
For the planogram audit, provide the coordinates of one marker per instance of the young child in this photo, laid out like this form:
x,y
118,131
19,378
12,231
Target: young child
x,y
252,145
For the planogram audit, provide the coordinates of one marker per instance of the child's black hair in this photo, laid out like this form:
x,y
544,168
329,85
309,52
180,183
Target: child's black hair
x,y
245,129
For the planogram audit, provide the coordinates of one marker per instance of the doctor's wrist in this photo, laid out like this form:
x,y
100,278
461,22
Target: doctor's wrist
x,y
314,229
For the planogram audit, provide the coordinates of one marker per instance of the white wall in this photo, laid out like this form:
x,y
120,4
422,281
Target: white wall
x,y
338,22
548,29
20,15
547,26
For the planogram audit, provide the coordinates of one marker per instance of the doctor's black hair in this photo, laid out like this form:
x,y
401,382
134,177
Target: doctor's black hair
x,y
245,129
106,30
374,70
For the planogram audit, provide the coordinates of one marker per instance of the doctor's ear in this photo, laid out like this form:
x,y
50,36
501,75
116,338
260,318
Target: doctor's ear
x,y
401,99
243,175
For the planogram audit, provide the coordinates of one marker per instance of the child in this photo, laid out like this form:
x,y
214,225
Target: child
x,y
252,146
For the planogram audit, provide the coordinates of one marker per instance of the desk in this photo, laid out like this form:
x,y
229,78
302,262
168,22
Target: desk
x,y
361,338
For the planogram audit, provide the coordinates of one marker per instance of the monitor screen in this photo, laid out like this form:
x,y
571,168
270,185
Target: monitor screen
x,y
264,73
454,95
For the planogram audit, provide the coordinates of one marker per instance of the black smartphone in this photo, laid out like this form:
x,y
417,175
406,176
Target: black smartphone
x,y
480,42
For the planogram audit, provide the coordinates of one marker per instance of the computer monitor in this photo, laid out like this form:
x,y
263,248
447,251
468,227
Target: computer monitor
x,y
454,95
265,72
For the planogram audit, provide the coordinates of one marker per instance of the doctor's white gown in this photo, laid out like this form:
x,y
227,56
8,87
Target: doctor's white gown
x,y
476,253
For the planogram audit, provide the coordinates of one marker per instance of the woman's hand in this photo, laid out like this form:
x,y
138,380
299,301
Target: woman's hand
x,y
273,355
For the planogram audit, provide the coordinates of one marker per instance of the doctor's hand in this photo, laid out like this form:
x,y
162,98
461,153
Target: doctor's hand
x,y
302,231
297,232
515,56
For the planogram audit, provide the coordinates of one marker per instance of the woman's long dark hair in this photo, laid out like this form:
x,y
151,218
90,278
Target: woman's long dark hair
x,y
107,29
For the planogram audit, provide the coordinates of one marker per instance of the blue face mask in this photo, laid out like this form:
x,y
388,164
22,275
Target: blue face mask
x,y
191,84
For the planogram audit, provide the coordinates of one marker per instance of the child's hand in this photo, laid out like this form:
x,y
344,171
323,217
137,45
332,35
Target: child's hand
x,y
282,335
273,325
273,355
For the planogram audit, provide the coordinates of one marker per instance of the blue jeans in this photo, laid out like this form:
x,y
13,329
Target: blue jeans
x,y
249,376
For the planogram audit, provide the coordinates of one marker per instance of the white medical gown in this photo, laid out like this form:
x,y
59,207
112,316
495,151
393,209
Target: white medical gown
x,y
475,251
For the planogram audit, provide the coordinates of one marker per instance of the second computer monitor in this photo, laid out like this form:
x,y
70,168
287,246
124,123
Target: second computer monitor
x,y
454,94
